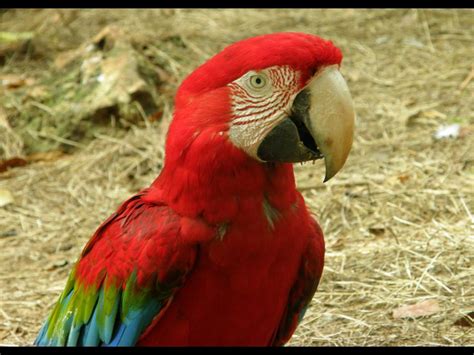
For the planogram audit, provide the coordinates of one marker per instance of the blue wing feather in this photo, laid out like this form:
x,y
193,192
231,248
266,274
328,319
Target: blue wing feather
x,y
41,338
90,334
134,325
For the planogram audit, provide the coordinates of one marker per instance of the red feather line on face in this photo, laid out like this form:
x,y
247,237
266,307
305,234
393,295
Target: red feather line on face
x,y
284,85
242,100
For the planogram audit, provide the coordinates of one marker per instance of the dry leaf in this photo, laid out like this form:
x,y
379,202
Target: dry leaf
x,y
466,320
11,163
6,197
377,230
155,116
51,155
13,81
424,308
403,178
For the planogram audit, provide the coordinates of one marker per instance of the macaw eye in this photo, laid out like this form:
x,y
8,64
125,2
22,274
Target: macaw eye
x,y
258,81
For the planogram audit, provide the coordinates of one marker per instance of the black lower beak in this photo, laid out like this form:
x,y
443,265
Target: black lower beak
x,y
291,141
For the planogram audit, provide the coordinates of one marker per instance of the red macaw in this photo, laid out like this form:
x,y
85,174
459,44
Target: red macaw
x,y
221,248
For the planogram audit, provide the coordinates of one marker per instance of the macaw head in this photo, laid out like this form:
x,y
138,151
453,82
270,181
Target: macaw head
x,y
272,98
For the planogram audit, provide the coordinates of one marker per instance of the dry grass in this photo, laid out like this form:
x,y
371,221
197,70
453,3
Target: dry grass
x,y
398,219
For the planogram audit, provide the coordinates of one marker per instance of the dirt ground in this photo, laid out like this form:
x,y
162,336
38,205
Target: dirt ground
x,y
398,219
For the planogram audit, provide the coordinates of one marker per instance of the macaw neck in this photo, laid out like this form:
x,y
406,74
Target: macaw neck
x,y
220,193
206,175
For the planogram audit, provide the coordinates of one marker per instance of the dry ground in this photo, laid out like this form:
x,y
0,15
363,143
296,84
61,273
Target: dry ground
x,y
398,218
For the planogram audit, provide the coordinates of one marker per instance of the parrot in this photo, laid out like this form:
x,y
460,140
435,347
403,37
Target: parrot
x,y
221,248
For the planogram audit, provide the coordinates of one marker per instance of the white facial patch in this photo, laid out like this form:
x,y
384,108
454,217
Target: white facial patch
x,y
260,100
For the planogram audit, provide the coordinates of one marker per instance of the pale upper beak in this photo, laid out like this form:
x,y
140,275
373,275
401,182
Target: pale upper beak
x,y
331,118
321,125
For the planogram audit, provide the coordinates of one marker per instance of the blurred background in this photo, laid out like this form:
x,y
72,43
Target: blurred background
x,y
85,100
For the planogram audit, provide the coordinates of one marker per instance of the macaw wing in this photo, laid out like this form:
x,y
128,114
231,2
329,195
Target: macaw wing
x,y
125,278
303,289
